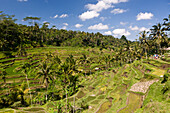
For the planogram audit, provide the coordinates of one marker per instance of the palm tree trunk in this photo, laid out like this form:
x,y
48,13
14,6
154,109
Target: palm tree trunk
x,y
66,98
160,48
4,80
146,53
46,89
22,99
73,103
29,88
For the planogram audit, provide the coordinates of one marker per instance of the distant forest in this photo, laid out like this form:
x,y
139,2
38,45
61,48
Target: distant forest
x,y
17,37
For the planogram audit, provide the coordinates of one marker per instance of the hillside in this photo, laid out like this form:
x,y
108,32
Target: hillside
x,y
134,87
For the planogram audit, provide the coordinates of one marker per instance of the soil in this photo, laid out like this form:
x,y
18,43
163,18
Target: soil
x,y
165,66
125,74
7,61
142,86
152,64
148,70
110,99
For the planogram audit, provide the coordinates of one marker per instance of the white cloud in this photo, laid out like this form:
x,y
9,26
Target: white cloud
x,y
64,27
119,32
88,15
135,28
94,9
22,0
114,1
78,25
99,6
103,4
144,16
123,23
46,22
64,15
112,27
118,11
66,24
55,16
99,26
108,33
103,18
144,29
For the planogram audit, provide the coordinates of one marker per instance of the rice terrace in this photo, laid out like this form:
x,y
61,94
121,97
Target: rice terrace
x,y
45,69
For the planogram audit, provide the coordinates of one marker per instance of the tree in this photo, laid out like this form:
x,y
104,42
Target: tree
x,y
143,41
158,35
33,30
25,68
166,24
84,60
123,38
107,59
33,19
67,72
45,72
3,73
22,91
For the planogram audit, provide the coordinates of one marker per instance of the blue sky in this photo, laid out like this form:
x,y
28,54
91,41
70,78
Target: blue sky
x,y
110,17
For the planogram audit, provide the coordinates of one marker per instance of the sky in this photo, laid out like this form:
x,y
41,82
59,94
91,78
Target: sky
x,y
109,17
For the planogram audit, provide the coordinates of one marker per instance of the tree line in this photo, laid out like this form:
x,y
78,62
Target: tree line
x,y
17,37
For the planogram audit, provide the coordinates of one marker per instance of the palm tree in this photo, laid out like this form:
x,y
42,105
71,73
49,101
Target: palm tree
x,y
107,59
3,73
84,60
158,35
44,29
25,70
45,72
33,29
33,19
22,91
67,72
167,23
143,41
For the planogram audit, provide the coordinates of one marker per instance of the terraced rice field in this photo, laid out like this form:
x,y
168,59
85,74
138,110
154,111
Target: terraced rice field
x,y
103,91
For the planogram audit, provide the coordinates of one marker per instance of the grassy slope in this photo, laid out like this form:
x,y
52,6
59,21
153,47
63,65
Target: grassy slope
x,y
106,91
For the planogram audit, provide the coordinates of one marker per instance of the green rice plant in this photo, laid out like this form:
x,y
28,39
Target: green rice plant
x,y
104,107
134,102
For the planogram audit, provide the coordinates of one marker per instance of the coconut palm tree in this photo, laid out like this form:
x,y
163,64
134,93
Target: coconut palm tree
x,y
84,60
33,29
22,91
25,68
143,41
67,72
107,59
167,23
158,35
3,73
45,72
